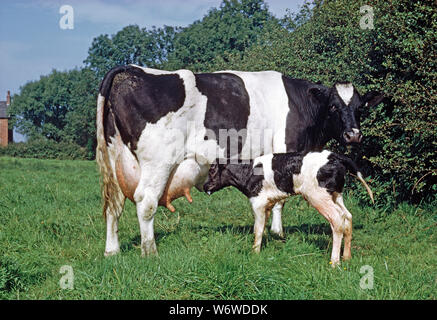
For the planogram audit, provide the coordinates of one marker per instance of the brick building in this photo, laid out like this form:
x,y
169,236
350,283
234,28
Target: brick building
x,y
5,133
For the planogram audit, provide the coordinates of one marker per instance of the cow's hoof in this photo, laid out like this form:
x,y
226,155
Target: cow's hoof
x,y
111,253
148,248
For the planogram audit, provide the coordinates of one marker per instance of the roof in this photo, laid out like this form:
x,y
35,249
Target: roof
x,y
3,108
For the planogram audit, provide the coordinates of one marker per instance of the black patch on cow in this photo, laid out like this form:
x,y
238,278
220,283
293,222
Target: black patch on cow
x,y
284,165
137,98
228,107
305,124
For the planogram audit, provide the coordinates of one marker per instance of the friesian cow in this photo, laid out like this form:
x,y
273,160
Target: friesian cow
x,y
317,176
159,131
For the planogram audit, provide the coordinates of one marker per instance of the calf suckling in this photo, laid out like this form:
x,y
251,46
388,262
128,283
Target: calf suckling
x,y
318,176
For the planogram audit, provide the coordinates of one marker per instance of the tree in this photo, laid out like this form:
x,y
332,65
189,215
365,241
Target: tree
x,y
148,48
231,28
80,125
41,107
59,107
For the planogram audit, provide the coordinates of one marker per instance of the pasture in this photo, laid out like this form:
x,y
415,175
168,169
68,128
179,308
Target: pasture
x,y
50,216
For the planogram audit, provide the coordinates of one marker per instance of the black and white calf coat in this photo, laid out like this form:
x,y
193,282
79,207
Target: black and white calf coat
x,y
318,176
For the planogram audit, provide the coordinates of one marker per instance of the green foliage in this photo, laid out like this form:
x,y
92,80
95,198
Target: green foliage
x,y
45,149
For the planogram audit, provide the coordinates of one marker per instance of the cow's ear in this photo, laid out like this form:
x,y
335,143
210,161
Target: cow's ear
x,y
320,93
372,98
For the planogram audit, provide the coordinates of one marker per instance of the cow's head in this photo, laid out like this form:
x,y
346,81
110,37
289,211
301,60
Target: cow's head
x,y
344,105
217,178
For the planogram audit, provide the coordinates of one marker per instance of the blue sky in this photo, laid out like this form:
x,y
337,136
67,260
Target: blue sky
x,y
32,43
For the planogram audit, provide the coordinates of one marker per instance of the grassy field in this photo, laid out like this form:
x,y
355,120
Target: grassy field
x,y
50,216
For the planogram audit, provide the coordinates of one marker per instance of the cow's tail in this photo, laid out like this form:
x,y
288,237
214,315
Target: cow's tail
x,y
352,168
113,198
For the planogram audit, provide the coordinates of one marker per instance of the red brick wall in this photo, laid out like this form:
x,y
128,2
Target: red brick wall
x,y
4,132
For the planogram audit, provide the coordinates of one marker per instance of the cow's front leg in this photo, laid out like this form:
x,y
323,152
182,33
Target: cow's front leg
x,y
276,228
259,212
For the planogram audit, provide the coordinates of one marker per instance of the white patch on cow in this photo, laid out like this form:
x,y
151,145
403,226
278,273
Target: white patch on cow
x,y
306,181
268,112
345,91
355,130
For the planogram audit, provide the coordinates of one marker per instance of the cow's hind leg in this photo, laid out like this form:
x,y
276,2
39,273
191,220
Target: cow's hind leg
x,y
113,202
113,209
276,228
150,188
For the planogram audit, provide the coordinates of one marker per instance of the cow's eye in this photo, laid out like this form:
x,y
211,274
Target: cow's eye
x,y
333,108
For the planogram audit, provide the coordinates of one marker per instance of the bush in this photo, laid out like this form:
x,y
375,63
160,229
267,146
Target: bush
x,y
46,149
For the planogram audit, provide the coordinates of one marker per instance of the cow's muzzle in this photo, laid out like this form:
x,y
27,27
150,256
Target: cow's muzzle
x,y
352,136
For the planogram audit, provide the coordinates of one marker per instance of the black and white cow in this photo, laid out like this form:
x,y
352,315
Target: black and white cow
x,y
318,176
158,131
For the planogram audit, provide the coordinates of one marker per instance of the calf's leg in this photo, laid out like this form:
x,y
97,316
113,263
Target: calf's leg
x,y
322,201
347,227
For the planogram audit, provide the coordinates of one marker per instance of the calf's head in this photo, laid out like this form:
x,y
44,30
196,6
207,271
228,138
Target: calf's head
x,y
217,178
344,105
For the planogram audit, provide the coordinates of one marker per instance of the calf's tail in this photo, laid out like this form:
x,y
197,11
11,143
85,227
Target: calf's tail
x,y
353,169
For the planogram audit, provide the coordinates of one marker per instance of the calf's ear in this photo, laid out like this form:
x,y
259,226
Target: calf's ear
x,y
373,98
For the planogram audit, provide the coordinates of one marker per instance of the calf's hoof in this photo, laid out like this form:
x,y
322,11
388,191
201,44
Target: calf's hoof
x,y
334,263
256,249
346,257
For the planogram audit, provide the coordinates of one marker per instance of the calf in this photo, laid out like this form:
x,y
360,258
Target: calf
x,y
318,176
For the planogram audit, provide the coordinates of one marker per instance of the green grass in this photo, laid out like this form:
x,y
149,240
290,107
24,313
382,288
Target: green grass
x,y
50,216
